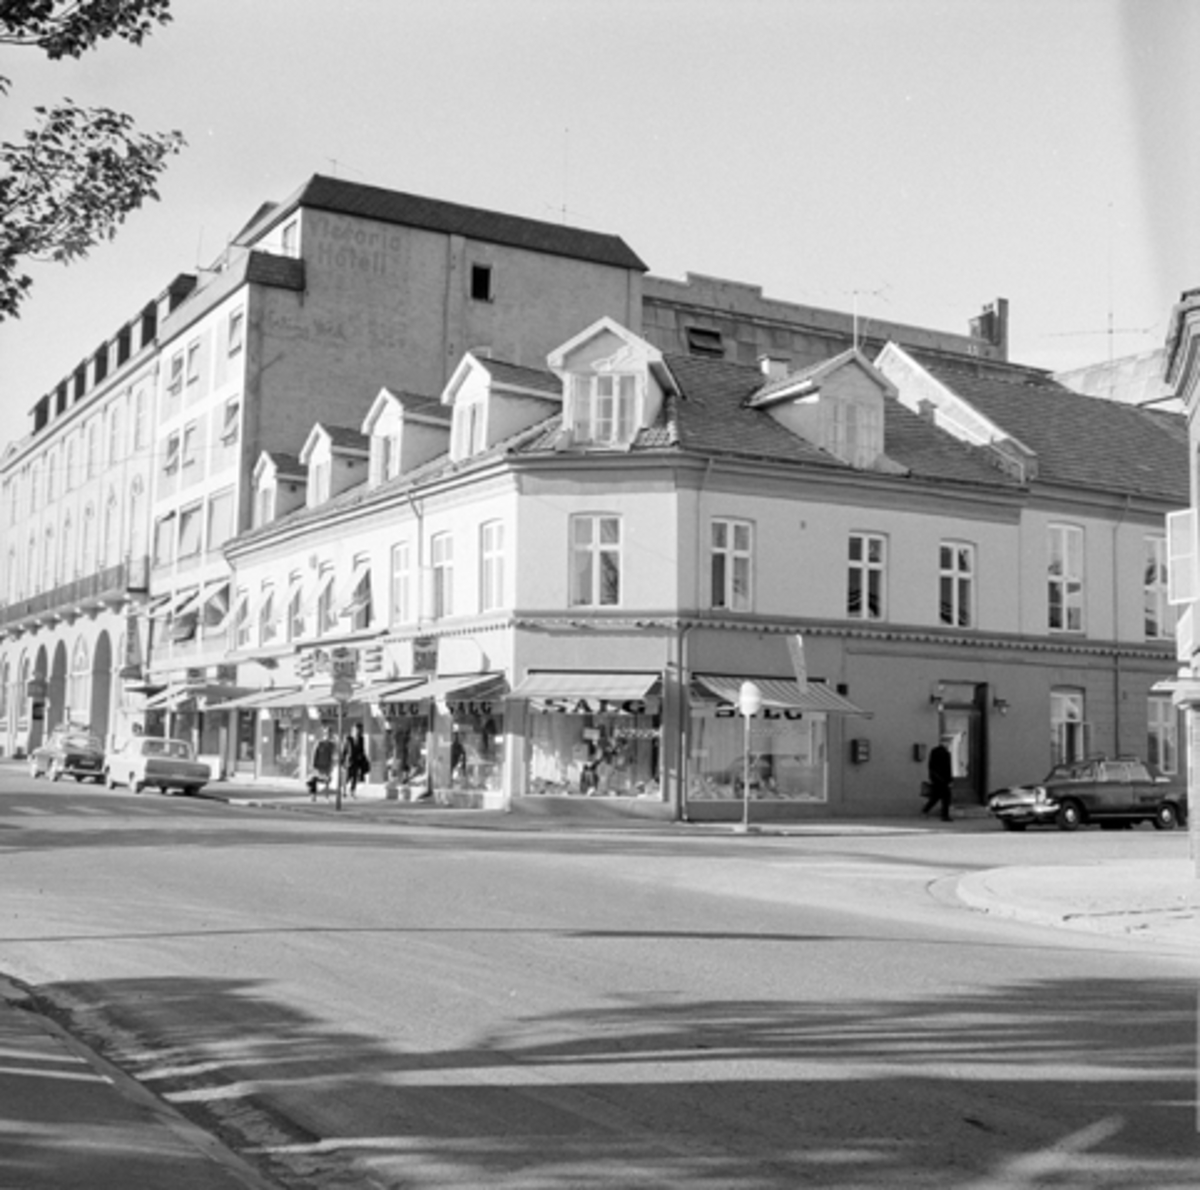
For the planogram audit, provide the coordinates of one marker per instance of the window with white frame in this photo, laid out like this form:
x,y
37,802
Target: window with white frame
x,y
237,327
116,449
110,544
322,476
491,566
190,524
956,584
605,408
175,375
855,433
361,607
70,476
595,560
731,564
268,623
327,616
48,560
93,460
89,539
193,363
1068,728
469,428
866,577
67,569
295,608
51,476
220,518
164,540
441,560
266,504
171,460
1065,578
243,624
1160,616
290,239
231,420
1162,738
139,419
190,449
401,584
389,462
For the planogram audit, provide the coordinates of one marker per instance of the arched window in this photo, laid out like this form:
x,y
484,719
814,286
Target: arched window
x,y
89,539
112,524
48,561
67,566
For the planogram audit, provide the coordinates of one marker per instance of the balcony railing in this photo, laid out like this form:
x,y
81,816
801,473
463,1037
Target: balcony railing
x,y
109,586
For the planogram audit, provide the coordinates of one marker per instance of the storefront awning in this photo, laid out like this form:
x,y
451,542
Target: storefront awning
x,y
615,686
455,686
259,698
780,692
209,696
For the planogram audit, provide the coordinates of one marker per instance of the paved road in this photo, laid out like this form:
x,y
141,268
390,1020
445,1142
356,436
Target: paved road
x,y
358,1004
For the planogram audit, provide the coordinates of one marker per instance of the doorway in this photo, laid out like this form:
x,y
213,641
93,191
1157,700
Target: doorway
x,y
962,727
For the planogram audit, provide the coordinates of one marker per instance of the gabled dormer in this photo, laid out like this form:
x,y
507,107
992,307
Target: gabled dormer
x,y
924,393
336,458
404,431
614,384
279,486
837,405
492,400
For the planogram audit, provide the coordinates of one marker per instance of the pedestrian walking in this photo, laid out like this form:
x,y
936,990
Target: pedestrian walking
x,y
355,764
941,774
323,759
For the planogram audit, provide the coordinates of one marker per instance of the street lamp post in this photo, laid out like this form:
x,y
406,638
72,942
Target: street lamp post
x,y
749,704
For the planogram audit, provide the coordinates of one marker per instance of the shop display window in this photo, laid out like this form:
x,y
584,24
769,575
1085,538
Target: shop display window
x,y
594,755
787,755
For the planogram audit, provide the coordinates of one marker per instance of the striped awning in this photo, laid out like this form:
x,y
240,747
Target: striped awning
x,y
779,692
453,686
614,685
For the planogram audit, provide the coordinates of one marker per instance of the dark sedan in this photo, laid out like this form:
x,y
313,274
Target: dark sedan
x,y
1110,792
69,752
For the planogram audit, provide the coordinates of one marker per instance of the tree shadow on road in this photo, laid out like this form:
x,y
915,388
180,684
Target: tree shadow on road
x,y
1072,1083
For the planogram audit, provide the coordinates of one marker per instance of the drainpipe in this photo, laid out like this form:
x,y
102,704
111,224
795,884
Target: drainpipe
x,y
1116,598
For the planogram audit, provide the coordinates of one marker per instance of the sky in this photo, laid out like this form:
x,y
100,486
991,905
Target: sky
x,y
911,159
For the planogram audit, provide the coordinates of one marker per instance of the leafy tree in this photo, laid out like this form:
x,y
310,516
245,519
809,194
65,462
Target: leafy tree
x,y
78,172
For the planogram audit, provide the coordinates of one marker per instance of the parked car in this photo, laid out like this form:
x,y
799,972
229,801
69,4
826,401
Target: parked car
x,y
1110,792
69,751
151,760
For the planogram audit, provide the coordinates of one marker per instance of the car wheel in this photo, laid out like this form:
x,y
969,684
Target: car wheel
x,y
108,780
1070,815
56,771
138,786
34,769
1166,817
1012,826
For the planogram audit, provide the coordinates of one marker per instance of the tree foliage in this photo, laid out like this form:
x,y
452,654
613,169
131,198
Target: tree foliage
x,y
78,172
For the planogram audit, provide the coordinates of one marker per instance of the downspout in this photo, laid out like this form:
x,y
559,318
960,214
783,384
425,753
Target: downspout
x,y
1116,597
420,519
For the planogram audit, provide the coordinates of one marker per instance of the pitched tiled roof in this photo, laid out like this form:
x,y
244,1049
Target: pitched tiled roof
x,y
286,464
1080,441
432,214
519,376
346,438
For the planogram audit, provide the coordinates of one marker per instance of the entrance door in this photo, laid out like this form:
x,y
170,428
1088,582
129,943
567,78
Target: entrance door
x,y
963,725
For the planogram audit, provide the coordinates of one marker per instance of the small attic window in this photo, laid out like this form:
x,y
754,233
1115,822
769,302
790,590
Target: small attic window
x,y
481,283
703,340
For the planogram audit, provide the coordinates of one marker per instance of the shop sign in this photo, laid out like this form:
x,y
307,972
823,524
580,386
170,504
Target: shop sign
x,y
726,710
465,710
344,663
404,710
572,705
36,689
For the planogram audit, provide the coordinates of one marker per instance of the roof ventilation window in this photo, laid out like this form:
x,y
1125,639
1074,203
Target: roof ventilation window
x,y
704,341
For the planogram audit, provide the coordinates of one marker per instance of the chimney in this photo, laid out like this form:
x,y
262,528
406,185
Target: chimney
x,y
992,326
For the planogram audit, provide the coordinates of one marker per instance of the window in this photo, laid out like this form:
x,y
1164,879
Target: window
x,y
956,584
70,479
401,584
48,561
1161,735
322,472
361,608
441,552
175,375
605,408
865,592
220,518
469,426
595,561
290,239
89,539
171,462
389,463
491,566
115,446
231,421
268,625
704,341
481,283
1160,616
51,476
92,459
191,445
164,540
1067,727
295,608
139,419
731,560
110,544
242,621
237,327
67,569
1065,578
189,531
193,363
327,616
1181,556
266,504
855,433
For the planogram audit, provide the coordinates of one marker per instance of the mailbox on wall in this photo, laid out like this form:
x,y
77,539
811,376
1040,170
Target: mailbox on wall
x,y
860,751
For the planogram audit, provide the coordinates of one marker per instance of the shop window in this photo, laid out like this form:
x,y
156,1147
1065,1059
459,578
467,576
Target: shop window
x,y
1065,578
1162,737
595,561
730,564
865,587
956,584
597,753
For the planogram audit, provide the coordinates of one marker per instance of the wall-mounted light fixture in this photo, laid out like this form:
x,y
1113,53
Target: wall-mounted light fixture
x,y
1000,705
937,699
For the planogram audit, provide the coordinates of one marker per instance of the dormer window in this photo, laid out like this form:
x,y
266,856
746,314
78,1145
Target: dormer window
x,y
469,429
605,408
855,433
321,474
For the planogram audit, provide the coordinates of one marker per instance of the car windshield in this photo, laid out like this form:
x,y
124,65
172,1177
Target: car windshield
x,y
178,749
